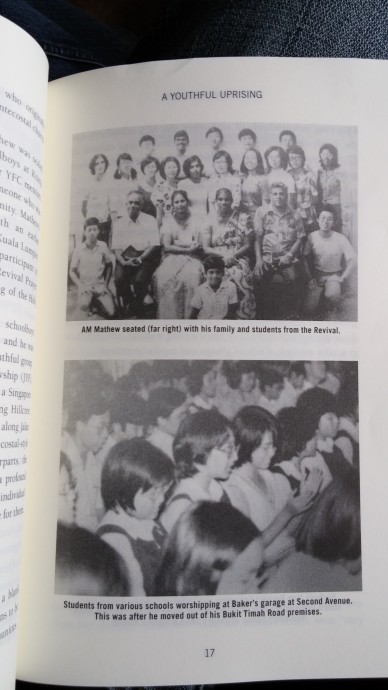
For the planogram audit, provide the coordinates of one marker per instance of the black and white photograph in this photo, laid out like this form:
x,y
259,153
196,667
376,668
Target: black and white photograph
x,y
214,221
204,477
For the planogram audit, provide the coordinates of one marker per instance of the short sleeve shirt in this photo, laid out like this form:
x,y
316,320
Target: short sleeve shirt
x,y
139,234
329,251
278,231
90,263
214,304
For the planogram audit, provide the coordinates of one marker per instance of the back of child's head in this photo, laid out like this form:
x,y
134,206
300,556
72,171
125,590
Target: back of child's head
x,y
198,369
331,529
311,406
250,424
269,377
133,465
212,262
163,402
88,566
197,435
202,545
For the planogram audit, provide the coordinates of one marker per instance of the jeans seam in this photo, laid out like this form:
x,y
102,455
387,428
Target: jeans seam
x,y
66,53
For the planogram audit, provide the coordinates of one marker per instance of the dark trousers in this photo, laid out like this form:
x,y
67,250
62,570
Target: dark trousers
x,y
132,284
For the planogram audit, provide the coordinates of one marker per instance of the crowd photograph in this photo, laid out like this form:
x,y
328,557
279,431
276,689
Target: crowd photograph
x,y
207,477
214,221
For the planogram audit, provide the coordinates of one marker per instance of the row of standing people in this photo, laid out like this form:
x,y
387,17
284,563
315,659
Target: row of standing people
x,y
249,181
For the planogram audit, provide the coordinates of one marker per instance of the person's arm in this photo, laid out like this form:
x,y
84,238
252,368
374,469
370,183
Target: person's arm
x,y
170,247
307,262
121,260
73,270
258,226
249,241
295,505
148,252
292,253
173,511
350,259
206,241
108,272
349,268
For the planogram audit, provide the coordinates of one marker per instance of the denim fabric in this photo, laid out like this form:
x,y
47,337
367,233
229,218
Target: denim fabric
x,y
75,42
72,40
322,28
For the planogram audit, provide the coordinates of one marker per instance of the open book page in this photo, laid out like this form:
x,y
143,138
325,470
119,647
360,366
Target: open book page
x,y
23,87
111,311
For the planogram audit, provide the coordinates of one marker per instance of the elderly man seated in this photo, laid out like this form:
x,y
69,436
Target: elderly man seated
x,y
136,245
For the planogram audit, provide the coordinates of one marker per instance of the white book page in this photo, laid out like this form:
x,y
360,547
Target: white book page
x,y
73,644
23,88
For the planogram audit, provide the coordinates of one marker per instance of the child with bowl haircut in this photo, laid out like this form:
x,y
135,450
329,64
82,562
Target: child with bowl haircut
x,y
216,298
91,270
87,566
134,481
204,453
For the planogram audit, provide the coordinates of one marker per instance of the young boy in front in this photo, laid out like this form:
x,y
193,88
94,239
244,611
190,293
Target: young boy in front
x,y
90,270
216,298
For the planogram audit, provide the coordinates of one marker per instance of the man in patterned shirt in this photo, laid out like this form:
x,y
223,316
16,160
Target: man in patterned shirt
x,y
279,237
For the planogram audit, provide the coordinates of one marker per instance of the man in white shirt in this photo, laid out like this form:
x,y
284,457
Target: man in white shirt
x,y
88,422
135,243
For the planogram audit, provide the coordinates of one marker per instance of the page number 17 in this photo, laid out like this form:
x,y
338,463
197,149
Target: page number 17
x,y
209,653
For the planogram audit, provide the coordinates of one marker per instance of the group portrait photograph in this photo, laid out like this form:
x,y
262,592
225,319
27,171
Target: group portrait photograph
x,y
214,221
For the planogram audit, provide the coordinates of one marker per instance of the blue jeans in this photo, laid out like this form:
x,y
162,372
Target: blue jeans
x,y
75,42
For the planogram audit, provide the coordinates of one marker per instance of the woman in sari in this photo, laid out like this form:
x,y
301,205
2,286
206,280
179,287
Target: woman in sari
x,y
230,235
181,270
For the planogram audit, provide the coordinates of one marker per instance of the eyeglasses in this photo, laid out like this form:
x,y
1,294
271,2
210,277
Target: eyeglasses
x,y
228,448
